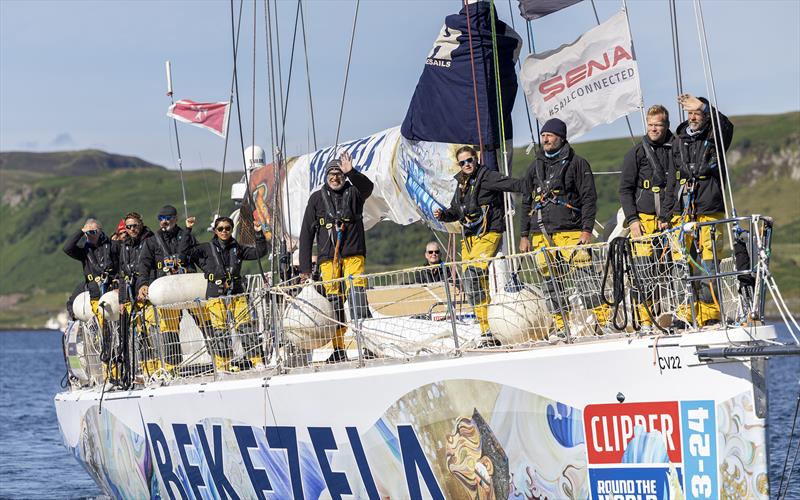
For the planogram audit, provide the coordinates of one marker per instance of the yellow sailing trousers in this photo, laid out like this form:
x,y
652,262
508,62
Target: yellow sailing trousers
x,y
344,268
168,319
704,310
218,309
476,282
578,258
643,248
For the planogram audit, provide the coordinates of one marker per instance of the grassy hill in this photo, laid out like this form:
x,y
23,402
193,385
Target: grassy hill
x,y
41,208
46,196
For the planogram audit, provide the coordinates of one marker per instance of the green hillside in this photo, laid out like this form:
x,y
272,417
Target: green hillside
x,y
41,208
46,196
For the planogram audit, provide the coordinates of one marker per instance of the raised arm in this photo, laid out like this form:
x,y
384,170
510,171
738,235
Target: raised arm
x,y
72,248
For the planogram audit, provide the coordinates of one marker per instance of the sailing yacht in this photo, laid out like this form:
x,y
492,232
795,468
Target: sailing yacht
x,y
420,408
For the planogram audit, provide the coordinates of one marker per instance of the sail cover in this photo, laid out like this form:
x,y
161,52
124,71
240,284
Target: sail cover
x,y
443,106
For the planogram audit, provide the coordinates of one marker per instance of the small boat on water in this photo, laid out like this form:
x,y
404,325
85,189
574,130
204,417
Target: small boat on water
x,y
629,408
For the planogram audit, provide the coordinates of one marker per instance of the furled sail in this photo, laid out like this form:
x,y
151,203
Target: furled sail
x,y
443,106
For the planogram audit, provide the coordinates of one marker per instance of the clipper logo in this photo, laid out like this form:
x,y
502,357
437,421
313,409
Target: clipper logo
x,y
442,52
610,427
559,83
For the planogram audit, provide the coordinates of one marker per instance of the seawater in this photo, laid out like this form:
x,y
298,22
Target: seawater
x,y
35,465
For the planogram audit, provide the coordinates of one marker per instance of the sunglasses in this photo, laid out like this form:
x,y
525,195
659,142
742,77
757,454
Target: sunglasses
x,y
468,161
92,232
132,226
434,252
223,228
165,217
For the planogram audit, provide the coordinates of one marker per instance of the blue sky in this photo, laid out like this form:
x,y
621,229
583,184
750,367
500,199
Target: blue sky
x,y
90,74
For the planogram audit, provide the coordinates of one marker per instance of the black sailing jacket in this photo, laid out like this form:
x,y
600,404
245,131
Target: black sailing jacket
x,y
483,191
100,263
165,250
221,263
696,156
640,176
317,223
130,256
554,183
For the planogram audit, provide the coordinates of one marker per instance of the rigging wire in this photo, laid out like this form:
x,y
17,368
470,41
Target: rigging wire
x,y
238,30
474,79
346,78
519,67
627,119
507,205
724,175
248,192
532,50
278,54
676,54
308,76
282,144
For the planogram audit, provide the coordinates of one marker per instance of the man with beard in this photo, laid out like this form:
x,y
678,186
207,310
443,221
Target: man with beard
x,y
646,190
333,217
697,151
477,205
227,307
131,245
559,207
163,254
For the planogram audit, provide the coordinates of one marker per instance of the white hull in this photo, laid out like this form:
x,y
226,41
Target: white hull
x,y
538,423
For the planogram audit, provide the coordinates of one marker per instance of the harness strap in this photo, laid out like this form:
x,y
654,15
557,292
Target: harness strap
x,y
656,190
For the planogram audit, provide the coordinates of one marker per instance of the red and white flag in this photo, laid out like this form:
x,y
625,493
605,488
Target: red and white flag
x,y
212,116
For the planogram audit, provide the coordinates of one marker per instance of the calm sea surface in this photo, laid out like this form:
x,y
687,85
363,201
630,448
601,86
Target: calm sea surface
x,y
34,464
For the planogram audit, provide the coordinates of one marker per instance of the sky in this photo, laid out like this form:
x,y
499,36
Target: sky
x,y
90,74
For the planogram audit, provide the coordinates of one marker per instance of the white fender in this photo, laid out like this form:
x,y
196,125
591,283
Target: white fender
x,y
308,319
517,317
177,288
82,307
110,305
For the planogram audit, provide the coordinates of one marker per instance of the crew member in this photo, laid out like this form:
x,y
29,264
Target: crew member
x,y
697,151
221,261
559,207
131,246
333,217
100,260
432,270
164,254
478,205
646,189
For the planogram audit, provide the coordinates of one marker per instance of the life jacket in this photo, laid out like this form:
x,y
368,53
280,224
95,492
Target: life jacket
x,y
130,255
658,180
227,265
171,262
693,169
99,270
470,213
338,209
551,185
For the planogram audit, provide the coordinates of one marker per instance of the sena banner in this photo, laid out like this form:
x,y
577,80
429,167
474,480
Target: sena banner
x,y
592,81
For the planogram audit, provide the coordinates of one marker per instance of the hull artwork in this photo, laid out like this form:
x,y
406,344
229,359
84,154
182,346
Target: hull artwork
x,y
544,423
